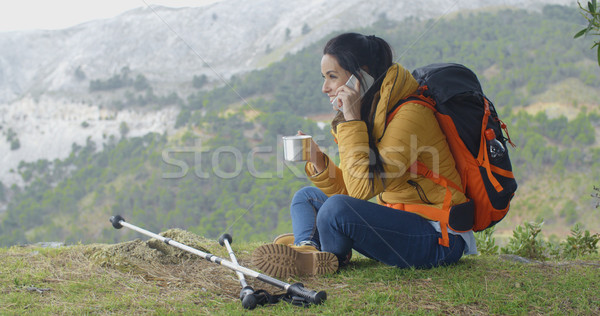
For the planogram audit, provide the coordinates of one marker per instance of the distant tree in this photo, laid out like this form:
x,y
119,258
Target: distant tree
x,y
2,192
150,97
10,135
287,34
113,83
79,74
172,98
305,29
130,98
141,83
13,139
125,72
15,144
592,15
123,129
199,81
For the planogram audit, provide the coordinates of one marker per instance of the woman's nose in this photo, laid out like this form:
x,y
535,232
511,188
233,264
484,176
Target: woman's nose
x,y
325,89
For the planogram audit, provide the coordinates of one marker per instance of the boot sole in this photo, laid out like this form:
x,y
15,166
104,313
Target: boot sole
x,y
282,261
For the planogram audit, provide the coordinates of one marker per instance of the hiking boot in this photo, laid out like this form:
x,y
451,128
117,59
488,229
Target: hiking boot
x,y
284,239
288,240
282,261
346,260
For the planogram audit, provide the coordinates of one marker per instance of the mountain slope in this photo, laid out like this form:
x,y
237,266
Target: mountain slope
x,y
222,169
45,76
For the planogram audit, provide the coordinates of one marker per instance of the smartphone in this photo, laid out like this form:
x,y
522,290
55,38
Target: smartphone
x,y
364,86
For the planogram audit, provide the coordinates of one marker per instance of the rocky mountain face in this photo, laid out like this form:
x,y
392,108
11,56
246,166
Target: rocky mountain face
x,y
171,45
45,75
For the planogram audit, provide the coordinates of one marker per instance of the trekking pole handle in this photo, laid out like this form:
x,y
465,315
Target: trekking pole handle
x,y
312,297
225,237
116,221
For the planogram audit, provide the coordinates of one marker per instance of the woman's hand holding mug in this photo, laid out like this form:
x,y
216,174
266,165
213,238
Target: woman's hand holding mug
x,y
317,158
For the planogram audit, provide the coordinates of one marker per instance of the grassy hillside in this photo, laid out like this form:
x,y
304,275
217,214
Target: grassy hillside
x,y
113,279
223,169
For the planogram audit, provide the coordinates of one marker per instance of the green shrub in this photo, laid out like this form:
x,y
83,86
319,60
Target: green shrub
x,y
580,243
596,195
486,244
526,241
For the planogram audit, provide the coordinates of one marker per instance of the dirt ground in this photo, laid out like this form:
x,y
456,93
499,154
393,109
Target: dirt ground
x,y
171,267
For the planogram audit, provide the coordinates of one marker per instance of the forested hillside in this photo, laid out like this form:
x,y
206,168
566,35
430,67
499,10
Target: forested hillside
x,y
223,171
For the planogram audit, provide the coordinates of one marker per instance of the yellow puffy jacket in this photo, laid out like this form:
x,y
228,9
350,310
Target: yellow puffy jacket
x,y
412,135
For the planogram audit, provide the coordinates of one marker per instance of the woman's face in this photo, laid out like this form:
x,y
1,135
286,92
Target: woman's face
x,y
333,74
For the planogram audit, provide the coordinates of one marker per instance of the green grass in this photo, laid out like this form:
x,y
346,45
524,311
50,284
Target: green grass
x,y
66,281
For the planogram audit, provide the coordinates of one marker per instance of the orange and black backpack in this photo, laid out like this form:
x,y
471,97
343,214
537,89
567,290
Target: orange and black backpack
x,y
474,133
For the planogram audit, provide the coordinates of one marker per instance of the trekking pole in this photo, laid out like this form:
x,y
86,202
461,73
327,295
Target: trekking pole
x,y
296,289
247,296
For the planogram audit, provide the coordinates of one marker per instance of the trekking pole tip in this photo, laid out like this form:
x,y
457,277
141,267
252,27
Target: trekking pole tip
x,y
116,221
311,297
246,290
320,297
249,301
224,237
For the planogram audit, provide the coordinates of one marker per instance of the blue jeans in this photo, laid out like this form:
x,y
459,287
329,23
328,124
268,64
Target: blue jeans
x,y
340,223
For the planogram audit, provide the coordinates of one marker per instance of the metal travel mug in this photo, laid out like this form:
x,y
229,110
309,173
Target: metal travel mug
x,y
296,148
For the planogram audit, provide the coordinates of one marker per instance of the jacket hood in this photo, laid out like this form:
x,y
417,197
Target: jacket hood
x,y
398,84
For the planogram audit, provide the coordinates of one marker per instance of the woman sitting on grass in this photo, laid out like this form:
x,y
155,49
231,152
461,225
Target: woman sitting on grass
x,y
336,216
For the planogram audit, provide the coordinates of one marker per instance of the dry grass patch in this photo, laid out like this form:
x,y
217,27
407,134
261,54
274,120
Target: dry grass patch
x,y
150,277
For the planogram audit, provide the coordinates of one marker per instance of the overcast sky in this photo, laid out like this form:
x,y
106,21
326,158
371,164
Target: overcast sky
x,y
59,14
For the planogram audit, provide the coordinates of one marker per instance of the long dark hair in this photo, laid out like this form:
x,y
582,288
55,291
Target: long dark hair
x,y
354,51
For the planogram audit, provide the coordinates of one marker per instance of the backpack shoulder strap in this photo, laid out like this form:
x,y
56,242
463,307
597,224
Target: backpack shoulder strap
x,y
423,170
418,98
418,167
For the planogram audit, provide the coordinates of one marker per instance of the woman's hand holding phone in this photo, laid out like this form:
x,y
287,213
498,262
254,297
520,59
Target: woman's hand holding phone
x,y
348,97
